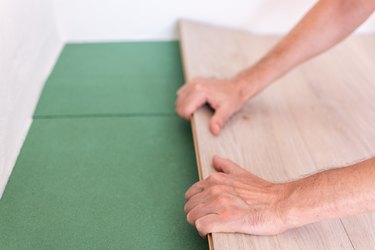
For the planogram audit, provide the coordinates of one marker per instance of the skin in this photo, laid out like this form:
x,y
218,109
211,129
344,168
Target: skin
x,y
234,200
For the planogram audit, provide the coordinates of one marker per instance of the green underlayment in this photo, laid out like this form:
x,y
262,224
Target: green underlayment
x,y
89,179
115,78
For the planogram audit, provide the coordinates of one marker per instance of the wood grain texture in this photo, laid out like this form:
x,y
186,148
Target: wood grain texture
x,y
321,115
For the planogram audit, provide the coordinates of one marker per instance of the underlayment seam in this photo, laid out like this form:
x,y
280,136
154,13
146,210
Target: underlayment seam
x,y
37,117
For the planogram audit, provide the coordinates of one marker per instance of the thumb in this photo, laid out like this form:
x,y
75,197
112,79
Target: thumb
x,y
227,166
221,116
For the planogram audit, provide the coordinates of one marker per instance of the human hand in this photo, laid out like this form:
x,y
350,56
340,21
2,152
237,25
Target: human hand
x,y
234,200
225,96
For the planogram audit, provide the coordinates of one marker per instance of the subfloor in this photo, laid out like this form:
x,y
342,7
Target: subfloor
x,y
106,162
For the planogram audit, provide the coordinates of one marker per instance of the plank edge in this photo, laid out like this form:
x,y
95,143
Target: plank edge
x,y
192,120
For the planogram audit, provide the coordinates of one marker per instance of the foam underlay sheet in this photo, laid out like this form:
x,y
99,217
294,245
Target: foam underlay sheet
x,y
113,78
101,183
106,162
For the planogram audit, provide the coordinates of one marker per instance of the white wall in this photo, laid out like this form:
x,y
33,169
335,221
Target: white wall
x,y
89,20
29,45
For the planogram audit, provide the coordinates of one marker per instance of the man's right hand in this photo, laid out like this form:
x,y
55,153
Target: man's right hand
x,y
225,96
325,25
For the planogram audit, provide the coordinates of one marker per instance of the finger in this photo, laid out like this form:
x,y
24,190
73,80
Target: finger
x,y
215,183
208,224
195,200
220,117
199,211
194,101
206,196
227,166
188,85
194,189
180,102
182,95
184,88
188,104
214,206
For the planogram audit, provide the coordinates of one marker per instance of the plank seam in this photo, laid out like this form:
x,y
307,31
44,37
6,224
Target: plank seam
x,y
350,240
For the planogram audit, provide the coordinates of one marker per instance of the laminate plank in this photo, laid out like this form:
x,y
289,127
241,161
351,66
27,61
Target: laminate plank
x,y
347,110
314,118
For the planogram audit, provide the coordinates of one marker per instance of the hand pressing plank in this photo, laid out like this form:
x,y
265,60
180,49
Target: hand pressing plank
x,y
236,201
325,25
225,96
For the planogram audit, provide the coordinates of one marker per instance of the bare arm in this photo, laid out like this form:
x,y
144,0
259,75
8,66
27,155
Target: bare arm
x,y
332,193
235,200
325,25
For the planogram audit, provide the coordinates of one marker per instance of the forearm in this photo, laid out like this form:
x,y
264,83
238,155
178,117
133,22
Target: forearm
x,y
331,194
325,25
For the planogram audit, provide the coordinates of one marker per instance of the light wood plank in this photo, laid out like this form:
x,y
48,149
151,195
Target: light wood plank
x,y
319,116
345,101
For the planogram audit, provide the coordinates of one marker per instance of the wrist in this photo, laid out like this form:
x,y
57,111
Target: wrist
x,y
307,201
250,83
285,206
290,209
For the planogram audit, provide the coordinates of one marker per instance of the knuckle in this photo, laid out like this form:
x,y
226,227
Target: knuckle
x,y
203,226
187,194
217,177
190,218
212,179
214,190
214,104
186,208
197,86
182,112
209,179
188,110
200,224
222,200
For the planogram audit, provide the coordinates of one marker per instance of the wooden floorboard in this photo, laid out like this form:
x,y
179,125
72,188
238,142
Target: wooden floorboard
x,y
319,116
